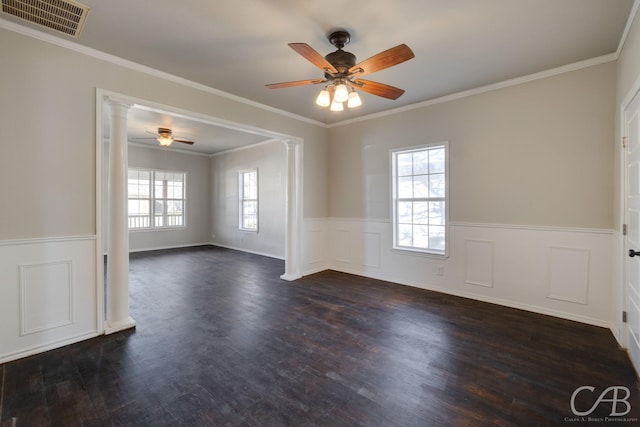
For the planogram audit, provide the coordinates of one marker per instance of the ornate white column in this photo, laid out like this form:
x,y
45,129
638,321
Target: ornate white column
x,y
118,231
293,255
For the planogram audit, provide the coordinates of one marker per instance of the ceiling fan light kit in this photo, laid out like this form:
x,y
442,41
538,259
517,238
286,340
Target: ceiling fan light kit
x,y
165,138
342,73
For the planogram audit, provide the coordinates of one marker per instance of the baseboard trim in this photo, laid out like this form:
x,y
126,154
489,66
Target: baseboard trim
x,y
315,270
49,346
159,248
245,250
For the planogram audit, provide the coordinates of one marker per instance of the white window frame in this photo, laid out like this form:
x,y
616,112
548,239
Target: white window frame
x,y
151,218
435,253
242,198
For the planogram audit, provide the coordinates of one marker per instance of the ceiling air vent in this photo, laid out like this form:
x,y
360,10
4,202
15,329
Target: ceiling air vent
x,y
64,16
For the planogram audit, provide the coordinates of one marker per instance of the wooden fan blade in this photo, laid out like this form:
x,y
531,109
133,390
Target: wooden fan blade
x,y
184,141
379,89
311,55
382,60
296,83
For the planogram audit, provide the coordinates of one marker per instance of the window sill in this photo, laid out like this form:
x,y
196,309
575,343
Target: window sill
x,y
138,230
248,230
418,253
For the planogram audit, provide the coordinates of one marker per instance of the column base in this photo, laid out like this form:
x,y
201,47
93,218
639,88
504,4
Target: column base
x,y
113,327
291,277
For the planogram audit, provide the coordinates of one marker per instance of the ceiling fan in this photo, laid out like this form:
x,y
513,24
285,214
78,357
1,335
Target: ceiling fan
x,y
342,75
165,138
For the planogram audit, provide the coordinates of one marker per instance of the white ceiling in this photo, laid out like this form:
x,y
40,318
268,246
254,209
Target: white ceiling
x,y
143,123
239,46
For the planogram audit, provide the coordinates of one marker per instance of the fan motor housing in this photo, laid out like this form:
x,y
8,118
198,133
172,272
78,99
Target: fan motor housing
x,y
341,60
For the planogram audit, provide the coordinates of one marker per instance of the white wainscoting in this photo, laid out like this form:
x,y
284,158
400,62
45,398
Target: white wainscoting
x,y
47,294
562,272
315,245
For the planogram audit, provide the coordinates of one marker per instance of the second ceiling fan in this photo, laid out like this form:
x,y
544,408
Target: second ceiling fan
x,y
342,75
165,137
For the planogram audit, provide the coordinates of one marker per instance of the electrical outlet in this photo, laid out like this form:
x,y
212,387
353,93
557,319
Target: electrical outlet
x,y
440,270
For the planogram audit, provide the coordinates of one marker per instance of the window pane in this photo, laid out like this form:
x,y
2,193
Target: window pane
x,y
436,160
436,213
138,182
250,185
404,164
421,186
421,236
405,235
159,190
174,207
139,196
436,185
246,186
174,190
250,215
249,207
405,212
405,187
420,162
138,207
160,207
421,213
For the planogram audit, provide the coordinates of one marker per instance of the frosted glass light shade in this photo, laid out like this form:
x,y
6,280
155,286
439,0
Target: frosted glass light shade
x,y
323,99
342,93
336,106
354,100
165,141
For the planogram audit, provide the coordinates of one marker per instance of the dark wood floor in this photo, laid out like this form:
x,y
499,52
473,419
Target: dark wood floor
x,y
220,340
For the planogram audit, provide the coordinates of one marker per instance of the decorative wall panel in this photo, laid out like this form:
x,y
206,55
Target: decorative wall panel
x,y
46,296
568,277
478,262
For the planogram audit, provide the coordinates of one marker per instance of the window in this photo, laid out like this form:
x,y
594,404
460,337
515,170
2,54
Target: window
x,y
156,199
420,198
248,180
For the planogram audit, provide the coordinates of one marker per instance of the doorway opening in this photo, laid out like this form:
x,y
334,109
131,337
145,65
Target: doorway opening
x,y
144,113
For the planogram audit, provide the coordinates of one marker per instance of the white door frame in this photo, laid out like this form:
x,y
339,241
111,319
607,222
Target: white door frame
x,y
294,196
622,331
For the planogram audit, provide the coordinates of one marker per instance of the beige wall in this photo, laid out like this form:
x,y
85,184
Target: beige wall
x,y
47,113
270,161
538,153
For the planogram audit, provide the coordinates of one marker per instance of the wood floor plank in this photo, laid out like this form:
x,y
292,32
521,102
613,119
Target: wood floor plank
x,y
222,341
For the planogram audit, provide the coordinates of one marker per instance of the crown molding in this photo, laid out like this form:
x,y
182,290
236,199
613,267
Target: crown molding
x,y
245,147
625,33
488,88
68,44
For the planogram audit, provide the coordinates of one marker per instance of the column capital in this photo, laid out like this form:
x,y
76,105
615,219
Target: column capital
x,y
115,101
291,143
